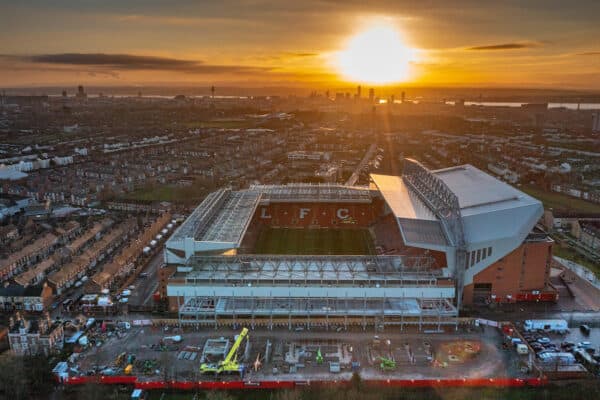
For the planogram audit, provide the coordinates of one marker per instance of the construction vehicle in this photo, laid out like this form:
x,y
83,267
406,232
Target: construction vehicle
x,y
229,364
257,363
387,364
319,356
120,359
172,339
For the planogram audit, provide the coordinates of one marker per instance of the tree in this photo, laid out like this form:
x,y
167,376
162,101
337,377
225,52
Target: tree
x,y
218,395
13,380
288,395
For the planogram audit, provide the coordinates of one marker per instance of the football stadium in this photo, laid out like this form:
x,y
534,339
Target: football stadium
x,y
406,250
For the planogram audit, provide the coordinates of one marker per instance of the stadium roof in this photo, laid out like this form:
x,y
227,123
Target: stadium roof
x,y
493,213
403,202
297,192
220,222
479,192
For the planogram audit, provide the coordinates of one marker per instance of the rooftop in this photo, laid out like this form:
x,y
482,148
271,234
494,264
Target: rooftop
x,y
298,192
479,192
424,202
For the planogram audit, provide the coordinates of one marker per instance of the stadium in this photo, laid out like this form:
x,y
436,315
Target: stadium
x,y
407,250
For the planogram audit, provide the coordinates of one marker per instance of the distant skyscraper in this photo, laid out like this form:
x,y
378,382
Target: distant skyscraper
x,y
402,97
358,92
392,99
80,92
596,122
212,91
371,94
64,93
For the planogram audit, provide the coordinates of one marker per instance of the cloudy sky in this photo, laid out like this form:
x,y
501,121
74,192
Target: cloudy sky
x,y
535,43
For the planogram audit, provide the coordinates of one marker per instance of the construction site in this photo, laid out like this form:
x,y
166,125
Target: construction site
x,y
155,354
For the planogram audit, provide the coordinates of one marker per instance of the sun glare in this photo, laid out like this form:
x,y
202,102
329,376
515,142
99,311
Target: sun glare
x,y
376,55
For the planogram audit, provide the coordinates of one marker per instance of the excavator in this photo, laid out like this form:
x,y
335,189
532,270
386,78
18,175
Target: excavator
x,y
229,364
387,364
319,356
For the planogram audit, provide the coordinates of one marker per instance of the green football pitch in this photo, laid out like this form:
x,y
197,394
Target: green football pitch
x,y
314,241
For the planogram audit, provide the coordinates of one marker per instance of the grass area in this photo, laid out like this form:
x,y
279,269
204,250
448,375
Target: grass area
x,y
572,255
176,194
559,201
314,241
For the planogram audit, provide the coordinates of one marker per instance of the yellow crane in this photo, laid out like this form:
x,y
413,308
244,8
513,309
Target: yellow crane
x,y
229,364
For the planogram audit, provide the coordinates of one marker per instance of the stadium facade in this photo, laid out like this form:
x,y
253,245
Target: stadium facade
x,y
438,240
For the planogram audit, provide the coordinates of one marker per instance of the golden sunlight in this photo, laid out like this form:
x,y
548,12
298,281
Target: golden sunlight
x,y
377,55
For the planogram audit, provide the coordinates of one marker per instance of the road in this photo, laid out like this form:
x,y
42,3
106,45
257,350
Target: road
x,y
366,159
145,287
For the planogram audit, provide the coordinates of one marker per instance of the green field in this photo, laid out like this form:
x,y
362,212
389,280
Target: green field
x,y
570,254
178,194
314,241
559,201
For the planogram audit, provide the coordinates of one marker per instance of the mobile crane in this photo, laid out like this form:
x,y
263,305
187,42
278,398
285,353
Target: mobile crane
x,y
229,363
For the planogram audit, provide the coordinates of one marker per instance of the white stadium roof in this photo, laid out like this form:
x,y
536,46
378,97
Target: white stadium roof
x,y
479,192
494,215
220,222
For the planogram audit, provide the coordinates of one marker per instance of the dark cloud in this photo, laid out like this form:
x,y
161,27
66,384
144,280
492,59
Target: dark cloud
x,y
124,62
303,54
506,46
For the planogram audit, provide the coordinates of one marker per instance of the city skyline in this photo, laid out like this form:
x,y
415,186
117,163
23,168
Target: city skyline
x,y
545,44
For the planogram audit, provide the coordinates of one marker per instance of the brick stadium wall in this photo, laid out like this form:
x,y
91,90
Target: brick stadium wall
x,y
525,269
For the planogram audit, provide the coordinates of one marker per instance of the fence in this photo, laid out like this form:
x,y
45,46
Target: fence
x,y
266,385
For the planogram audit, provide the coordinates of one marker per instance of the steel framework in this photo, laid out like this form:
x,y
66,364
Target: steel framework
x,y
444,203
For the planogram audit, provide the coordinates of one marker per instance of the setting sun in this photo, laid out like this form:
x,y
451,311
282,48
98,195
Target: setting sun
x,y
376,55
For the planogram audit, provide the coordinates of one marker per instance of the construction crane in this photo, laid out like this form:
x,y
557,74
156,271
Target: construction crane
x,y
229,363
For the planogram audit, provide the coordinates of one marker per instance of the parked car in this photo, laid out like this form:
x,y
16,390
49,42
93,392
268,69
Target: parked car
x,y
544,340
536,346
585,329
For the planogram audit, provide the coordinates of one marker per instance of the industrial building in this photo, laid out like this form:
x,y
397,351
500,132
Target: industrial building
x,y
440,240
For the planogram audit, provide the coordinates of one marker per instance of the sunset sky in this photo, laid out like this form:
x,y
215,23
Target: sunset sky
x,y
536,43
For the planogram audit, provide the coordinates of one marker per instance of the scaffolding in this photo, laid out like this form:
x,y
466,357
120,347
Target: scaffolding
x,y
306,192
444,203
308,291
